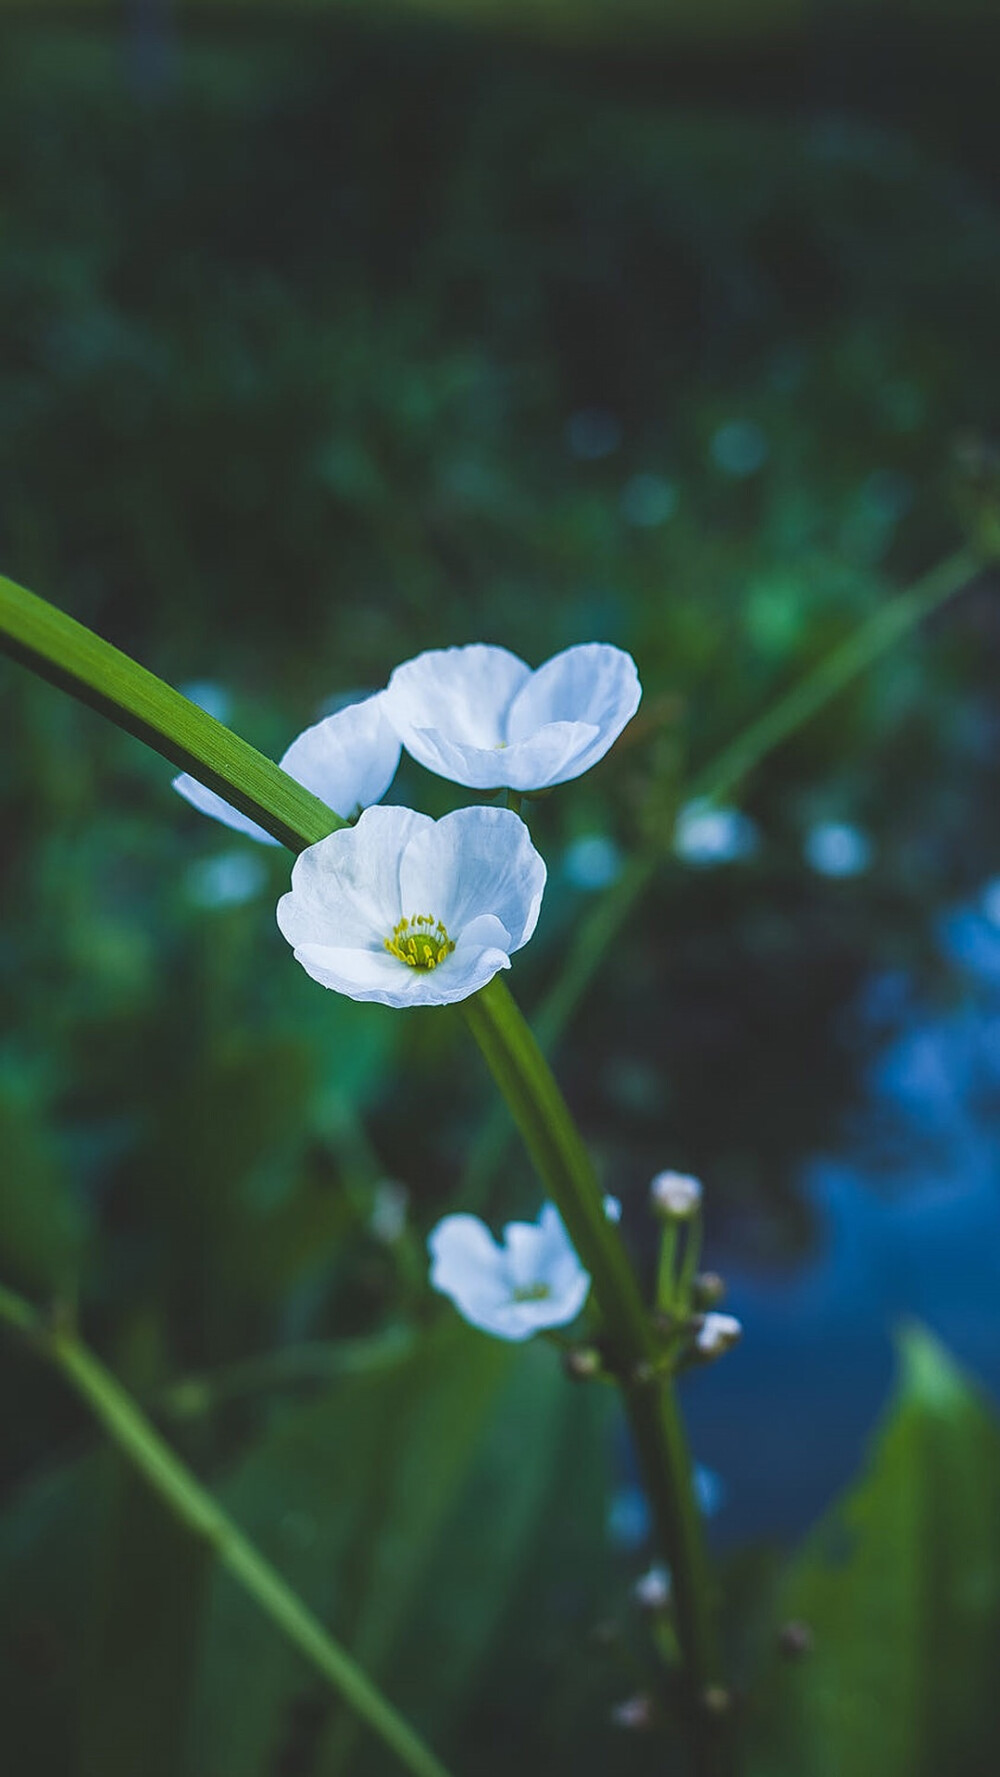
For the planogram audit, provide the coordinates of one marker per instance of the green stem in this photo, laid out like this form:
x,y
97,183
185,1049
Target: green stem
x,y
291,1366
689,1265
552,1138
666,1271
194,1507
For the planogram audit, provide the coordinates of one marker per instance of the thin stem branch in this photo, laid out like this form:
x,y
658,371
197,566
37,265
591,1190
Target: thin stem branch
x,y
193,1506
888,624
320,1360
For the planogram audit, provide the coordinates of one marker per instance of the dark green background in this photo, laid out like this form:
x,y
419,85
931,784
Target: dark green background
x,y
295,317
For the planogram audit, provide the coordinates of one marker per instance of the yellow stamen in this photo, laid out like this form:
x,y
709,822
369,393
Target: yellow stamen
x,y
421,942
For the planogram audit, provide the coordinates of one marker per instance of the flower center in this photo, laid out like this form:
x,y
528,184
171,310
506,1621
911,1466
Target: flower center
x,y
421,942
532,1292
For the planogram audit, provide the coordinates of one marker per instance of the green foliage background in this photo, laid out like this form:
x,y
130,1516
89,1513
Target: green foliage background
x,y
295,321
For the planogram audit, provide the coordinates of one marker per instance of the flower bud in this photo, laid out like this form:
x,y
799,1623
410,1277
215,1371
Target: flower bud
x,y
716,1700
635,1713
675,1196
708,1290
582,1363
795,1640
652,1591
717,1333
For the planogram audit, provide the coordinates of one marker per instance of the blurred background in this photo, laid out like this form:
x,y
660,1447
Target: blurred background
x,y
333,333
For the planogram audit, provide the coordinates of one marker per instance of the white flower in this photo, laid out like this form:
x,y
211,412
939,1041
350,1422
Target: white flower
x,y
348,760
481,717
718,1333
414,912
675,1195
533,1280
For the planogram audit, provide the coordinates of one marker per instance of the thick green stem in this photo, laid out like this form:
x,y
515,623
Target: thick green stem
x,y
194,1507
552,1138
74,658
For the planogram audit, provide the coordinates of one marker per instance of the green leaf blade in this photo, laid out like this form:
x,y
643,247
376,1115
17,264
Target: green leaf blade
x,y
900,1587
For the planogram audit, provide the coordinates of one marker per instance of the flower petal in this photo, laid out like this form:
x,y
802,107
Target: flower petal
x,y
474,685
475,861
362,974
592,683
558,1259
345,889
542,1253
208,802
543,759
373,974
467,1264
349,759
552,755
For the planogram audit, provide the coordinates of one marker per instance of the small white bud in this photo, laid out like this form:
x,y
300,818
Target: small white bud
x,y
675,1196
613,1209
717,1333
652,1590
635,1713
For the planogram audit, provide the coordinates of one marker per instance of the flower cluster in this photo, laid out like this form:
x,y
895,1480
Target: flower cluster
x,y
412,912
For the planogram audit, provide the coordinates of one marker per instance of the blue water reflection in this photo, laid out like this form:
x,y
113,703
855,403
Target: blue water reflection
x,y
908,1220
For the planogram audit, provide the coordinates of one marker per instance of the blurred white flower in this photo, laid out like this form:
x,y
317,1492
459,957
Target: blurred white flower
x,y
718,1333
675,1196
636,1713
410,911
593,862
739,448
215,699
348,760
228,880
652,1590
481,717
648,500
834,848
707,835
613,1208
532,1280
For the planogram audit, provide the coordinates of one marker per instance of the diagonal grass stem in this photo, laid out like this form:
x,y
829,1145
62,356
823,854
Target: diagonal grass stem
x,y
192,1504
